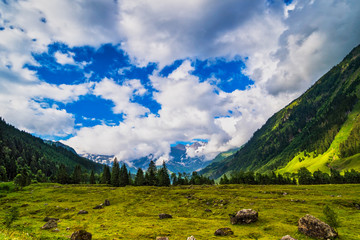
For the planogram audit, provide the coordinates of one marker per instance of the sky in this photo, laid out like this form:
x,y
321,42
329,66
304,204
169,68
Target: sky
x,y
131,78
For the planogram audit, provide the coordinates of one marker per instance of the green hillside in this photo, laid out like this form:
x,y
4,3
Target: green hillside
x,y
20,150
319,130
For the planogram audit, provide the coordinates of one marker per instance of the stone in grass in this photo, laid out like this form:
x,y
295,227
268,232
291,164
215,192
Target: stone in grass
x,y
55,230
191,238
81,235
162,238
164,215
46,219
287,237
50,224
223,232
244,216
99,206
107,202
208,210
313,227
83,212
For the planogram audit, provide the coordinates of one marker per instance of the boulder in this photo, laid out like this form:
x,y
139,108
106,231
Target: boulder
x,y
162,238
223,232
83,212
208,210
50,224
287,237
313,227
164,215
244,216
81,235
46,219
107,202
191,238
98,207
55,230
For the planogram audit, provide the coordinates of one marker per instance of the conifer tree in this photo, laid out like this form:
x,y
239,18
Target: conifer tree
x,y
62,175
150,176
139,178
106,176
163,176
124,176
92,177
76,177
115,174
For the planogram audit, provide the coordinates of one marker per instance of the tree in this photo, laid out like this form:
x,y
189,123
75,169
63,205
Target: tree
x,y
174,179
335,176
115,174
150,176
305,176
92,177
124,176
3,174
163,176
40,176
224,180
106,176
139,178
62,175
77,175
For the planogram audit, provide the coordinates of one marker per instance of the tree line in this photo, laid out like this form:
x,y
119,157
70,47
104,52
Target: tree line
x,y
302,177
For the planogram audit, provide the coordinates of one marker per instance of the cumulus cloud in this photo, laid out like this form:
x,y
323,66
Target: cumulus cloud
x,y
285,50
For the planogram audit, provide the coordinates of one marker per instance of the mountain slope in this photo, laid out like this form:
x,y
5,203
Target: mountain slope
x,y
313,129
19,149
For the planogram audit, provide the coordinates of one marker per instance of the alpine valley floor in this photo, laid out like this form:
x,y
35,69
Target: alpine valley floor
x,y
133,213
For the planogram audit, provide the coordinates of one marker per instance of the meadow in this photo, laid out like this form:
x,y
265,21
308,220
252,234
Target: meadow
x,y
133,213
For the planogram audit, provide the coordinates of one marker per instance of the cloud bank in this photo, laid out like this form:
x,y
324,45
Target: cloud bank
x,y
285,48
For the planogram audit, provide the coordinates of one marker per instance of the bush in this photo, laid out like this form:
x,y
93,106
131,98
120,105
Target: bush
x,y
11,216
331,217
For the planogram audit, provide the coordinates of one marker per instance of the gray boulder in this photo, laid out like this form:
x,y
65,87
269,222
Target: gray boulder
x,y
288,237
81,235
107,202
83,212
223,232
99,206
191,238
244,216
313,227
46,219
50,224
164,215
162,238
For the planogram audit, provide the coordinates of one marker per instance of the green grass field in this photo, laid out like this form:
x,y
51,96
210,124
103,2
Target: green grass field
x,y
133,213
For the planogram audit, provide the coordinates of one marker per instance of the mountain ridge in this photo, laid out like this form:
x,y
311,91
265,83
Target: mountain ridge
x,y
304,128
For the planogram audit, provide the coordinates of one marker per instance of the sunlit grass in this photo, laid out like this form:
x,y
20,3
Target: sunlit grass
x,y
133,213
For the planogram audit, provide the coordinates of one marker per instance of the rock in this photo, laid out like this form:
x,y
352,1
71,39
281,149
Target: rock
x,y
46,219
285,193
107,202
313,227
81,235
223,232
244,216
50,224
83,212
24,205
162,238
67,229
191,238
208,210
98,207
164,215
55,230
287,237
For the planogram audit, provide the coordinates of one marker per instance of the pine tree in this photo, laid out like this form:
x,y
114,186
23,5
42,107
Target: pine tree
x,y
115,174
77,175
92,177
3,174
62,175
150,176
163,176
139,178
124,176
106,176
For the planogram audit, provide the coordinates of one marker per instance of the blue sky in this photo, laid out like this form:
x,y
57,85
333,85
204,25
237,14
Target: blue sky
x,y
132,78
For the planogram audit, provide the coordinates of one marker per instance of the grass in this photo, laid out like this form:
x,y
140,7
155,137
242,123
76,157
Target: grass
x,y
331,156
133,213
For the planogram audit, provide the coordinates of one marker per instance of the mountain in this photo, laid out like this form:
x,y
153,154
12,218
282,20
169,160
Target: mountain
x,y
59,144
20,150
179,161
318,130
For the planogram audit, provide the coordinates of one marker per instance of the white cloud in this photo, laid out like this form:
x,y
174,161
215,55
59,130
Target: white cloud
x,y
286,49
65,58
